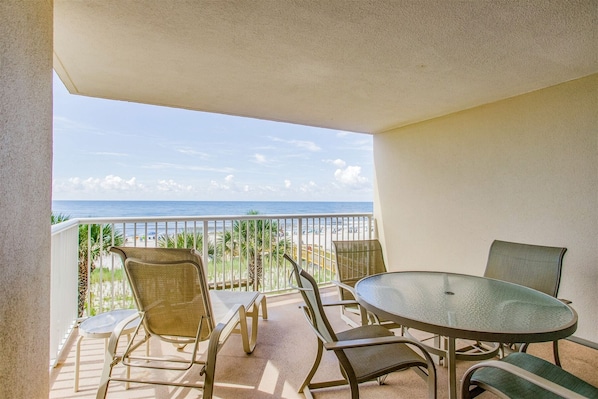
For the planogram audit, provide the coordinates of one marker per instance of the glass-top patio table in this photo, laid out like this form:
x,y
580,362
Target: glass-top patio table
x,y
469,307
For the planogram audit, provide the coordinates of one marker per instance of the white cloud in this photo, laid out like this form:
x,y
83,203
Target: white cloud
x,y
172,186
227,184
308,145
195,168
339,163
215,185
350,176
259,158
109,183
309,187
191,151
287,183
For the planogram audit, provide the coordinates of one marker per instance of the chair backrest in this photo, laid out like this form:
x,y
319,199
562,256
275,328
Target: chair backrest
x,y
308,288
169,286
357,259
533,266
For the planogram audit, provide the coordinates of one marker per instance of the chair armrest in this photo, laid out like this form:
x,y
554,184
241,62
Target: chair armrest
x,y
342,303
116,333
226,325
344,286
219,335
356,343
518,372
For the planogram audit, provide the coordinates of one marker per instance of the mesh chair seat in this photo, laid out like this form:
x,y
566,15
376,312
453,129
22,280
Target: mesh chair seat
x,y
371,361
510,382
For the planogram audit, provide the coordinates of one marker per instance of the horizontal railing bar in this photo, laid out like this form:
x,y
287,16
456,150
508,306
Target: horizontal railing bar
x,y
141,219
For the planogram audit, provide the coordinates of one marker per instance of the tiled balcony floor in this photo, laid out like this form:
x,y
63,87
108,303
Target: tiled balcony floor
x,y
285,351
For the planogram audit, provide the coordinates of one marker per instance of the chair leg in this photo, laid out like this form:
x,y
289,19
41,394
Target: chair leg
x,y
264,307
555,350
110,359
354,388
249,343
209,369
109,363
77,362
314,367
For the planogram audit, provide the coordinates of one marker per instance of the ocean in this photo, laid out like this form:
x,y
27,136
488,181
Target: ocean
x,y
82,209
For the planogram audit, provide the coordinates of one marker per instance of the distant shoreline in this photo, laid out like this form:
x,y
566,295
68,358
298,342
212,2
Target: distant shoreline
x,y
129,208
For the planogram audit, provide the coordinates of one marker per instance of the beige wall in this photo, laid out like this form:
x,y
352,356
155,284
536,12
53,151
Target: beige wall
x,y
523,169
25,196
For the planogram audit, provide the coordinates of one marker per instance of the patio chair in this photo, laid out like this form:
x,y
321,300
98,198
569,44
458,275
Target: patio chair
x,y
365,353
534,266
355,260
520,375
170,289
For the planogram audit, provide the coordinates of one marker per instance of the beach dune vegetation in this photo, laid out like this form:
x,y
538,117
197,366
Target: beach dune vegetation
x,y
186,240
253,241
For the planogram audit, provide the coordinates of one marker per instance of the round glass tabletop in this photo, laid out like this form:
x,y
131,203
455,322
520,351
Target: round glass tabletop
x,y
466,306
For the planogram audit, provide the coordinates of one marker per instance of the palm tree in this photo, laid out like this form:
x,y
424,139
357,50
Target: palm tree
x,y
185,240
253,240
100,239
227,247
94,241
58,218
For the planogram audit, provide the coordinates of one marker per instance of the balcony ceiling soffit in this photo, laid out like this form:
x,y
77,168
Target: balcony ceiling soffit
x,y
364,66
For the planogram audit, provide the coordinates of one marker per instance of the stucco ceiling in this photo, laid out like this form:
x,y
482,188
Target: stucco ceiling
x,y
363,66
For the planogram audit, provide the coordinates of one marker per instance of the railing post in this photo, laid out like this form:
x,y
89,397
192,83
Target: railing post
x,y
204,244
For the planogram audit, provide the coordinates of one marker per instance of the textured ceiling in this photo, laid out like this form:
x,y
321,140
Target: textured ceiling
x,y
364,66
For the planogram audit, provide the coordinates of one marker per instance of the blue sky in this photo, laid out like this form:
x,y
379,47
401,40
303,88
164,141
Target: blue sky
x,y
114,150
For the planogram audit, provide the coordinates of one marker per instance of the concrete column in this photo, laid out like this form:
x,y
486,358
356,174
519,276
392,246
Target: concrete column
x,y
25,196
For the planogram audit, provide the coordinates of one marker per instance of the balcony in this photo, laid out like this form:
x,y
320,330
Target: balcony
x,y
286,346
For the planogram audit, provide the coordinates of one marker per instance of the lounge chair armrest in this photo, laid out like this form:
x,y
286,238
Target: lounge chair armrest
x,y
115,335
118,330
518,372
219,335
227,324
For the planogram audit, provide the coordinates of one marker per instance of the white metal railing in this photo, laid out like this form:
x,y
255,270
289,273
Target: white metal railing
x,y
239,252
63,287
